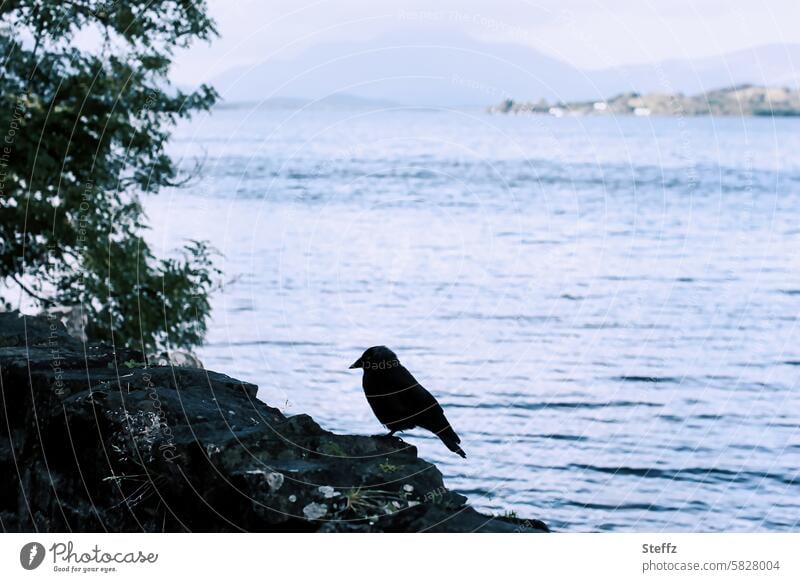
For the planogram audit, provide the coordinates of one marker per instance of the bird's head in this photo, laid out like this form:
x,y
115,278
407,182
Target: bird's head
x,y
377,358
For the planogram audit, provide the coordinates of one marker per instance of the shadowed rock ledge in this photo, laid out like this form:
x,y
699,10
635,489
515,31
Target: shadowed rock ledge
x,y
94,441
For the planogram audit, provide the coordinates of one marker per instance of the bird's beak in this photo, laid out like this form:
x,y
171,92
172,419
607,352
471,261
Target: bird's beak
x,y
357,364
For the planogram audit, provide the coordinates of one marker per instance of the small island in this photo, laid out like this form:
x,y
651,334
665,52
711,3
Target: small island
x,y
742,100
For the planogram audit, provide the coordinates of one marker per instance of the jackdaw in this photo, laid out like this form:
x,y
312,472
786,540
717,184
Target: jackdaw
x,y
399,401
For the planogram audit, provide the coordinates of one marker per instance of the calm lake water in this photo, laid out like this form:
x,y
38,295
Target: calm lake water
x,y
607,309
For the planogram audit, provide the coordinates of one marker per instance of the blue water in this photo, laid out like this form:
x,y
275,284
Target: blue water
x,y
606,308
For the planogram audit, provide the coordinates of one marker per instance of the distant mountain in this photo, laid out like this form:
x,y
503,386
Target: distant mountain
x,y
428,70
769,65
442,69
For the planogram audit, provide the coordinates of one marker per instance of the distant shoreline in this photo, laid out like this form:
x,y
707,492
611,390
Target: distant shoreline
x,y
739,101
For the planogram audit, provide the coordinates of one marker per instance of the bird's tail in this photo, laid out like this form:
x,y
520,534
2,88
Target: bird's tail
x,y
451,440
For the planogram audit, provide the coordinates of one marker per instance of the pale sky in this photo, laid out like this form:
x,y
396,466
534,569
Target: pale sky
x,y
586,33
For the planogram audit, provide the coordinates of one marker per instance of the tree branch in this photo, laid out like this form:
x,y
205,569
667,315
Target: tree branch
x,y
29,292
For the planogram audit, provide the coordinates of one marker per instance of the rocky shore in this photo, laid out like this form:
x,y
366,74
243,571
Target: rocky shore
x,y
94,440
745,100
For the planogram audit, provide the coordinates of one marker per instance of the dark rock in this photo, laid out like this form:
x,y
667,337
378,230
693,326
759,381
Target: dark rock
x,y
94,441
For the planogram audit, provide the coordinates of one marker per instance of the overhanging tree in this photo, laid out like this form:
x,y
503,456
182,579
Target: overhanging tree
x,y
83,136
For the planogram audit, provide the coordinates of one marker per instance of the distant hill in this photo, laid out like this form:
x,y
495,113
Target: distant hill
x,y
428,70
743,100
444,69
335,101
769,66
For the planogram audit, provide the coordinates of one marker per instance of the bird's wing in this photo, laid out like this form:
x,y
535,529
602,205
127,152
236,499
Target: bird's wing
x,y
429,415
424,410
413,391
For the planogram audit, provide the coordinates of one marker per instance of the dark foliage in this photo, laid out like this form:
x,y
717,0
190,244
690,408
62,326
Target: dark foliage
x,y
82,138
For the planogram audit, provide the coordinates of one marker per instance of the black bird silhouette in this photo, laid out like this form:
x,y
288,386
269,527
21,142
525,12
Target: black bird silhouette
x,y
399,401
